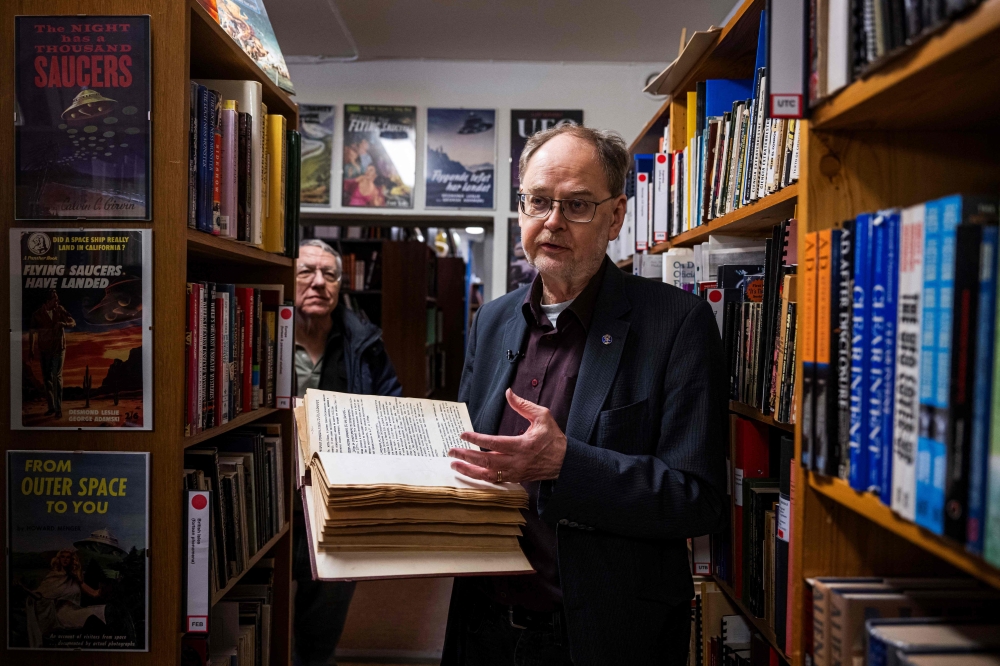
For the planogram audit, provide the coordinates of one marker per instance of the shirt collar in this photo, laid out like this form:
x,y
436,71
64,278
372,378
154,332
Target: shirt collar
x,y
582,306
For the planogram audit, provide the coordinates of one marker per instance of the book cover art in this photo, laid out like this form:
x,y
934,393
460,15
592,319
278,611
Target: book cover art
x,y
77,534
523,124
380,156
246,21
82,125
461,158
316,127
81,312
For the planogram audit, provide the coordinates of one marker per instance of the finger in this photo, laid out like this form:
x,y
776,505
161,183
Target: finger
x,y
492,461
525,408
494,442
474,472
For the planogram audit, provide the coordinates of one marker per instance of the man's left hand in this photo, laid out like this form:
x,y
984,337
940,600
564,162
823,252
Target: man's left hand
x,y
536,455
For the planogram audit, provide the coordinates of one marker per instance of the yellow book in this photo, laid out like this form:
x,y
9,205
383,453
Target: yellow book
x,y
274,224
692,116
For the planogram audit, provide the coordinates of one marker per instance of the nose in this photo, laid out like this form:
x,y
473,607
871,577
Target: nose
x,y
317,280
556,221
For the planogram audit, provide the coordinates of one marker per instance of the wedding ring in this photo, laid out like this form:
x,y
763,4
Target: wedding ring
x,y
499,476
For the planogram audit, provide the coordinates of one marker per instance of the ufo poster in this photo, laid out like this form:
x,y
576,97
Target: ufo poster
x,y
77,534
82,125
461,158
316,128
81,348
522,125
380,156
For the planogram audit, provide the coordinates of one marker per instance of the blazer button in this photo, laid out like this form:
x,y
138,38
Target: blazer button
x,y
564,522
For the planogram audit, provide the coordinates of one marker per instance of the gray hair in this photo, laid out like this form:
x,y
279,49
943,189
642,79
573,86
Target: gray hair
x,y
612,152
326,247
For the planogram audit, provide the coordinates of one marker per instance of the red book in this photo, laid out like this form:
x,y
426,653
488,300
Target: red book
x,y
192,424
245,297
220,359
751,462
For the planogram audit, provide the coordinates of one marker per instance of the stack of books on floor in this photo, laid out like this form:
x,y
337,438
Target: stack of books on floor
x,y
906,299
243,167
382,499
836,611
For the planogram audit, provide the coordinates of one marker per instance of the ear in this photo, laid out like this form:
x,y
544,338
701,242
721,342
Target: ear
x,y
617,217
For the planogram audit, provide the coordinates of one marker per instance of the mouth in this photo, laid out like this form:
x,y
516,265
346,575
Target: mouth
x,y
552,248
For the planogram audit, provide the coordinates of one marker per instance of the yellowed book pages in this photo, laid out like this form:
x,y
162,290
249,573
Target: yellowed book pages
x,y
416,514
425,528
419,540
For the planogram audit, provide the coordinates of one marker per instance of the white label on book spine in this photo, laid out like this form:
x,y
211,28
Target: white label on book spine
x,y
641,211
286,350
738,476
784,519
661,197
716,301
199,512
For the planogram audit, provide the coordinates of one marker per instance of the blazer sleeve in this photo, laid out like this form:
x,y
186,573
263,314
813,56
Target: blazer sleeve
x,y
680,491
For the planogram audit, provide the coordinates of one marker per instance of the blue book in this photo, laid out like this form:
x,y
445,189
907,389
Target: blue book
x,y
857,474
761,42
720,94
928,329
206,157
882,353
982,393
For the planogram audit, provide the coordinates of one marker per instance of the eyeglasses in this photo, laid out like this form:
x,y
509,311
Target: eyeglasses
x,y
574,210
305,274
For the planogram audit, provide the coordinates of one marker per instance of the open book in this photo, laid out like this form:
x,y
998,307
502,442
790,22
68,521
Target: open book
x,y
382,501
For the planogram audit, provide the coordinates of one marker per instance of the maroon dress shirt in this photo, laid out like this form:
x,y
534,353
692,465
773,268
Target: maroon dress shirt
x,y
546,375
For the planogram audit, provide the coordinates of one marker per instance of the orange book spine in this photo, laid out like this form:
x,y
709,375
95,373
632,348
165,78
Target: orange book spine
x,y
807,330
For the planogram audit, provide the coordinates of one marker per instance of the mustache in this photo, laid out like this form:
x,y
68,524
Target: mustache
x,y
550,239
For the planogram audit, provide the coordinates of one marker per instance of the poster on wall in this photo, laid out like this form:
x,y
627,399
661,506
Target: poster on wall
x,y
519,271
522,125
461,158
380,156
77,534
81,349
81,119
316,128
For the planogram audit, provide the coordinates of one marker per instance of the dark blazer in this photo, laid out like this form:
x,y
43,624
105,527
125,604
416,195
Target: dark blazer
x,y
645,460
369,370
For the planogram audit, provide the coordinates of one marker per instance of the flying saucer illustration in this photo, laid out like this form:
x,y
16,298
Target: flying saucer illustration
x,y
88,105
122,302
474,125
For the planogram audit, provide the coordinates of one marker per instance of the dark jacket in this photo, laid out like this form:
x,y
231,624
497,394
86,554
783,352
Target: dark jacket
x,y
369,370
645,460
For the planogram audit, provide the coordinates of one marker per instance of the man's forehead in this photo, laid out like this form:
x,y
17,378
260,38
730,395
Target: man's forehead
x,y
567,161
315,256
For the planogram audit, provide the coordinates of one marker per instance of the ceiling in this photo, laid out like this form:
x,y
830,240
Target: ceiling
x,y
550,30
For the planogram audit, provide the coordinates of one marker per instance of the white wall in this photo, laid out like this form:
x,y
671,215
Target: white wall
x,y
609,94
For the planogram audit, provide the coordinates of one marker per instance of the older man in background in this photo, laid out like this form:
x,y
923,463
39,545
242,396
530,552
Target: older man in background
x,y
604,395
334,351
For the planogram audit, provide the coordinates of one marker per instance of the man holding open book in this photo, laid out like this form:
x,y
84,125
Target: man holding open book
x,y
605,396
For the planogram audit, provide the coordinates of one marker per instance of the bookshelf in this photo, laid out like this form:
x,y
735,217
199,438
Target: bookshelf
x,y
758,623
746,411
186,43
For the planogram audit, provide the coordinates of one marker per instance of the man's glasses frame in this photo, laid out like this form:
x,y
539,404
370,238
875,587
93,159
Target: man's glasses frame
x,y
306,274
572,217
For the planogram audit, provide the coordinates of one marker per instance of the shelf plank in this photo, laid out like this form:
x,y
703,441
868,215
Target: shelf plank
x,y
257,557
747,221
240,421
942,82
213,248
869,506
751,413
759,623
215,55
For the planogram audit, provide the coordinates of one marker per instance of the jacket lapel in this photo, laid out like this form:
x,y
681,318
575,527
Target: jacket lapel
x,y
601,354
503,373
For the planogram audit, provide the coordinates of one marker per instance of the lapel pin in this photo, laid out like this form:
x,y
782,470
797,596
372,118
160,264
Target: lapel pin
x,y
606,338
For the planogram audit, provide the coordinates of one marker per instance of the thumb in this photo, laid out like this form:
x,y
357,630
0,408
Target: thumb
x,y
525,408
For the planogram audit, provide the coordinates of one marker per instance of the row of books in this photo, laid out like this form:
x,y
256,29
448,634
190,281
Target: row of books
x,y
836,610
236,487
241,624
362,274
239,352
243,167
900,384
720,636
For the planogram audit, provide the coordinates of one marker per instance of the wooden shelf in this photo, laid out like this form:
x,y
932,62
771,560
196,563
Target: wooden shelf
x,y
751,413
240,421
257,557
870,507
625,264
759,623
945,82
213,248
747,221
214,55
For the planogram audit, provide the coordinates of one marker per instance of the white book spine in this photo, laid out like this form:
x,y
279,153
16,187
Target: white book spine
x,y
197,539
838,63
628,244
906,416
661,197
794,171
641,211
286,360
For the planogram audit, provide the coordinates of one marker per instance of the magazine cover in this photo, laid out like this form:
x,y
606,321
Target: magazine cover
x,y
380,156
81,348
461,158
246,21
81,120
77,571
316,128
519,271
522,125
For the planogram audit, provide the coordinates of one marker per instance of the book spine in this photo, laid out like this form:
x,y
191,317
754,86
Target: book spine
x,y
263,182
219,357
285,356
845,327
979,451
661,197
891,297
242,176
928,335
641,209
270,329
857,472
257,349
206,157
878,333
197,538
229,179
824,421
217,169
191,358
991,536
808,345
202,354
249,184
213,332
193,158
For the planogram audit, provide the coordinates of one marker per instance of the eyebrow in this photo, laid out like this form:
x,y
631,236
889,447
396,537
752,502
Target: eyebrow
x,y
581,191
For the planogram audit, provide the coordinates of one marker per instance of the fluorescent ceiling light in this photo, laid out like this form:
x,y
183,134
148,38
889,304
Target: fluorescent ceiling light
x,y
474,231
